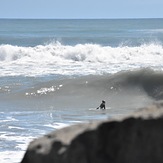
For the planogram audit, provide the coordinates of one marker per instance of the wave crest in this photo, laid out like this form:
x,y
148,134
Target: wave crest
x,y
82,52
72,59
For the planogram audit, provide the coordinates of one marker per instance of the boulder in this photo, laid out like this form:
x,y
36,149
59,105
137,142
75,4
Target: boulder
x,y
136,138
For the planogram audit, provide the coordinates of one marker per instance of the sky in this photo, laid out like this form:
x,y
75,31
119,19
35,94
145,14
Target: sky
x,y
81,9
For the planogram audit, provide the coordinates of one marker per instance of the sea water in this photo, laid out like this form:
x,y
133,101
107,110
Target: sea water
x,y
55,73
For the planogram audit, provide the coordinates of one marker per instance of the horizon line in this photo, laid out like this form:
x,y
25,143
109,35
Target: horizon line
x,y
83,18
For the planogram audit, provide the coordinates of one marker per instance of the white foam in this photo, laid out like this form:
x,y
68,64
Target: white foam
x,y
15,127
19,150
8,119
11,156
82,59
57,125
12,137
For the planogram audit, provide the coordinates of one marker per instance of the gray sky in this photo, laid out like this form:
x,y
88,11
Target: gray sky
x,y
67,9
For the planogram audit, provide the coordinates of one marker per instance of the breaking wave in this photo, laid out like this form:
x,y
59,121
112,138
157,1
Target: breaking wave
x,y
84,59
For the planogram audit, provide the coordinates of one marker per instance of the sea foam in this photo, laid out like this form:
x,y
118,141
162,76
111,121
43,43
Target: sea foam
x,y
56,58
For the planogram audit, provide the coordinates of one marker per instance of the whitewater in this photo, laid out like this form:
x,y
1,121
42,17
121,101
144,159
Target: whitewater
x,y
81,59
55,73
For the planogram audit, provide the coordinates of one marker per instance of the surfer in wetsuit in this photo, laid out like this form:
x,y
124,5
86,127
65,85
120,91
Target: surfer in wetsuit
x,y
102,105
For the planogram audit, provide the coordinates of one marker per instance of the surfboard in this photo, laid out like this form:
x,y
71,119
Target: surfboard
x,y
107,108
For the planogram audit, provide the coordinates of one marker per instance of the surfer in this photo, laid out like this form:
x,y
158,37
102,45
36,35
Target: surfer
x,y
102,105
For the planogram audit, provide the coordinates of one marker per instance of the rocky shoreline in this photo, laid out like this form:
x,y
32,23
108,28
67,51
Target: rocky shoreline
x,y
136,138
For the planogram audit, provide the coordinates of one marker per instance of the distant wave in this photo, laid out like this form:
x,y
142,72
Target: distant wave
x,y
56,58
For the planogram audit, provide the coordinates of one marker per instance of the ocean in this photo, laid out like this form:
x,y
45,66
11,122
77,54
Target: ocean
x,y
55,73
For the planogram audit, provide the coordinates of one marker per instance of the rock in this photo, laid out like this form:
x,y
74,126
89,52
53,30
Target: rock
x,y
137,138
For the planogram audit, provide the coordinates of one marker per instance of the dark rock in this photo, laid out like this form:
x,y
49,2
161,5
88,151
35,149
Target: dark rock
x,y
137,138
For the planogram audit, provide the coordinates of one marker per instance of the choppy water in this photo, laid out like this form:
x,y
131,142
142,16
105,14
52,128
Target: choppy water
x,y
54,73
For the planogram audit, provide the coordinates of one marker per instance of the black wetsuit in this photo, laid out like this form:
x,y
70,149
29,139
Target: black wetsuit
x,y
102,106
